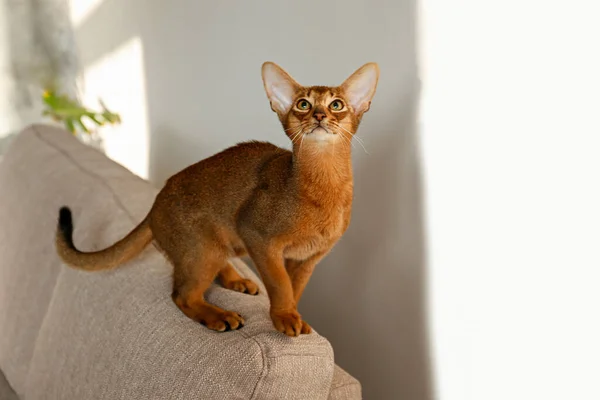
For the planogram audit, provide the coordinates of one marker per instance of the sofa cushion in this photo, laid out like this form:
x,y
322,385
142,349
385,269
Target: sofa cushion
x,y
117,335
6,392
344,386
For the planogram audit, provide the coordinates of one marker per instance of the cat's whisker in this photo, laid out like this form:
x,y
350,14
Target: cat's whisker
x,y
296,135
346,139
301,142
349,139
294,127
298,129
362,143
343,135
363,146
358,139
341,127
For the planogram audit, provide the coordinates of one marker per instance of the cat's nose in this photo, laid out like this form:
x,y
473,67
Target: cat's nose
x,y
319,116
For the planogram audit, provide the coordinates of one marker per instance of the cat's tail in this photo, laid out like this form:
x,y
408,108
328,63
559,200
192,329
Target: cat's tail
x,y
111,257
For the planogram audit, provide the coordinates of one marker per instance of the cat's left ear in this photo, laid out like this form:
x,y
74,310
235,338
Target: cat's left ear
x,y
360,87
280,87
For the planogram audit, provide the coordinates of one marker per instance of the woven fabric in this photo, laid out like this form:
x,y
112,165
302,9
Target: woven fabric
x,y
6,392
67,334
344,386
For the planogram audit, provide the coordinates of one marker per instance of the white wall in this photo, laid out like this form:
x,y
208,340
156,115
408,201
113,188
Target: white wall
x,y
10,120
6,80
36,53
511,145
198,61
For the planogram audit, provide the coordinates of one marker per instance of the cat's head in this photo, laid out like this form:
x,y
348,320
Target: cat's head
x,y
320,113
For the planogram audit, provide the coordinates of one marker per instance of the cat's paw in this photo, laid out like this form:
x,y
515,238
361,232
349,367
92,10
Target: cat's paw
x,y
288,322
219,320
306,329
242,286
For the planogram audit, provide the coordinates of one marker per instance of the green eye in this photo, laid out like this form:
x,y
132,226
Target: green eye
x,y
303,105
336,105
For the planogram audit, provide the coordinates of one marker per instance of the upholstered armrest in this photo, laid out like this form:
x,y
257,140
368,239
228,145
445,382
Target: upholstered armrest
x,y
68,334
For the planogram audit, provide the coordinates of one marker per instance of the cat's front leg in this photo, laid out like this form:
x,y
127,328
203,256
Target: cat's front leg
x,y
270,264
300,272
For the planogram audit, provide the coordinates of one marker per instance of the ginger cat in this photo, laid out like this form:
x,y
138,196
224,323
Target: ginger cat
x,y
285,209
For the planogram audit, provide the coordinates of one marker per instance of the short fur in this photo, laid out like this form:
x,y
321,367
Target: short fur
x,y
285,209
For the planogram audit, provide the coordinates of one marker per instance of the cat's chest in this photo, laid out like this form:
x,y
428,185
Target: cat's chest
x,y
317,233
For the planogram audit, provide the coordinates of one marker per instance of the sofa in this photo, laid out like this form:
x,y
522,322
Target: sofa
x,y
73,335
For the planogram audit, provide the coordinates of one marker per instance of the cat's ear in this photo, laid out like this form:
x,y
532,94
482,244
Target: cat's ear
x,y
360,87
280,87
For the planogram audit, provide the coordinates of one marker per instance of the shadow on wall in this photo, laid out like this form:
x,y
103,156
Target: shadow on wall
x,y
41,47
19,105
368,296
370,292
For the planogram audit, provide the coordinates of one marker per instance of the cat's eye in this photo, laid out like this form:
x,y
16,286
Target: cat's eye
x,y
336,105
303,105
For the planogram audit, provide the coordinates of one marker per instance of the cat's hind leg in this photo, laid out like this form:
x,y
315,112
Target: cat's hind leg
x,y
193,274
230,279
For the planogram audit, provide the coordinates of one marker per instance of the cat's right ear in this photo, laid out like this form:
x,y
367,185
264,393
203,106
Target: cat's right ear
x,y
280,87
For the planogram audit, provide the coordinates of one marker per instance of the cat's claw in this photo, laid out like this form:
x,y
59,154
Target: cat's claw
x,y
219,320
306,329
287,322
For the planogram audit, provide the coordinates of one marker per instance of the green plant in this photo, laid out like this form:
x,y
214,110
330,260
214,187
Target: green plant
x,y
64,109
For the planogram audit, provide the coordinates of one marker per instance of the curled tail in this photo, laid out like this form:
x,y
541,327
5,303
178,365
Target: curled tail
x,y
111,257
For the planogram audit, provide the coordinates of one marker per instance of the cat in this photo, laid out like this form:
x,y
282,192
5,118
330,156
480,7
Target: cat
x,y
285,209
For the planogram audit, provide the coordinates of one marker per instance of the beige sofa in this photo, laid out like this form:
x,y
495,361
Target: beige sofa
x,y
67,334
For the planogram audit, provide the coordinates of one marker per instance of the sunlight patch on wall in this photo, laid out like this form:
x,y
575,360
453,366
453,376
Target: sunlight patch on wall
x,y
6,109
81,10
511,134
118,79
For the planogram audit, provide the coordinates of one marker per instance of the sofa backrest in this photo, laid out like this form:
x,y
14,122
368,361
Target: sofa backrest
x,y
68,334
43,170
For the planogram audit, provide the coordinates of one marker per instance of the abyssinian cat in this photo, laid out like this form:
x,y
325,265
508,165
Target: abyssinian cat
x,y
285,209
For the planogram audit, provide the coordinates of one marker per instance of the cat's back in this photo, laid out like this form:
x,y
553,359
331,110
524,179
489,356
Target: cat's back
x,y
234,171
251,152
243,158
